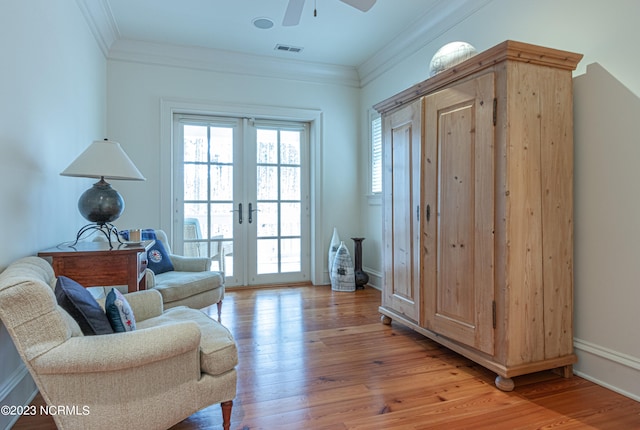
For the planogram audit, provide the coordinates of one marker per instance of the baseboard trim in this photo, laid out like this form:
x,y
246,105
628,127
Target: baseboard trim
x,y
375,278
609,354
18,389
608,368
8,385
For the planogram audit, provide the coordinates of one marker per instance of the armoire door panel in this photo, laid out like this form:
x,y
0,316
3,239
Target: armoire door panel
x,y
402,193
456,147
461,189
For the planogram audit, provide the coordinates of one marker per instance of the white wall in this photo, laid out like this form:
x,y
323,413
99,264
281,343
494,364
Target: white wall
x,y
607,150
134,119
53,85
53,104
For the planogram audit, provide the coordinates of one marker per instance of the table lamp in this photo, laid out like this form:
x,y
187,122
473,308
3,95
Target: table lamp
x,y
101,204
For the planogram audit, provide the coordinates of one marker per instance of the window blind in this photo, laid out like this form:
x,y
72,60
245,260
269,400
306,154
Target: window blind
x,y
376,155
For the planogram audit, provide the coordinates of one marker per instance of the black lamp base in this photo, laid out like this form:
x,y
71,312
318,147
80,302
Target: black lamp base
x,y
101,204
105,228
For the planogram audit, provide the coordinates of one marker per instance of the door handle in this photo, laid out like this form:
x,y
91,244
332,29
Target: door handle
x,y
251,211
239,210
428,213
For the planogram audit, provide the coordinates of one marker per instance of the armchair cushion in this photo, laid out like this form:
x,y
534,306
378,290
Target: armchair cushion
x,y
218,352
82,306
119,312
178,285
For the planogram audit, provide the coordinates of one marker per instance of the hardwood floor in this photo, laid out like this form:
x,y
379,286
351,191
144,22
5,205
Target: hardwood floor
x,y
311,358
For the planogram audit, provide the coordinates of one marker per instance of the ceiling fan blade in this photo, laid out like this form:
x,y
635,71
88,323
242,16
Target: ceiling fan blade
x,y
293,13
363,5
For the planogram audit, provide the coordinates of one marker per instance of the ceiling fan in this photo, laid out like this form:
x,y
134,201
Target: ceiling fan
x,y
294,9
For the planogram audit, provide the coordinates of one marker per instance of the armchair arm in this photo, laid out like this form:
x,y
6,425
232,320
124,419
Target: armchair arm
x,y
145,304
190,264
112,352
150,278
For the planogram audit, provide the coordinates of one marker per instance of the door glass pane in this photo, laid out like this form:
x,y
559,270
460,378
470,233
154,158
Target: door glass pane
x,y
196,146
227,256
267,256
267,220
195,181
290,147
267,177
221,182
221,221
267,146
290,183
222,145
196,216
193,245
290,222
290,256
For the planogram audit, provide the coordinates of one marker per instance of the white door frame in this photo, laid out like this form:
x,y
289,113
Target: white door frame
x,y
169,107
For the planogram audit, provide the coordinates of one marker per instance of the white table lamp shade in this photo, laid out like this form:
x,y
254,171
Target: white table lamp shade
x,y
104,159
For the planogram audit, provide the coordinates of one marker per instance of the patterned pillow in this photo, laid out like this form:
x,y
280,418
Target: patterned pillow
x,y
119,312
82,306
158,259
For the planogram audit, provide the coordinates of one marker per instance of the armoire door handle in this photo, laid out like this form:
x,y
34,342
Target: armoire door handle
x,y
428,213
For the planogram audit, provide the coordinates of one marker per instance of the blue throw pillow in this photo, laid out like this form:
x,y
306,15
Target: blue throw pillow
x,y
119,312
158,259
82,306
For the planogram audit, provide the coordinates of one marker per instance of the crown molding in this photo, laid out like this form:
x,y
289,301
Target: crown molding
x,y
231,62
100,20
444,15
441,17
101,23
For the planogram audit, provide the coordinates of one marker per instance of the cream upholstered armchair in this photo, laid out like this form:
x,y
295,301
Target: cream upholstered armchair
x,y
191,282
175,362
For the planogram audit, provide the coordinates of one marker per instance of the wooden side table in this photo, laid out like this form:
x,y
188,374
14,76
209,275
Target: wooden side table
x,y
94,264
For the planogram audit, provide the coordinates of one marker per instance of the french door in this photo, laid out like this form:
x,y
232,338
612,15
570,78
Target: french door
x,y
241,192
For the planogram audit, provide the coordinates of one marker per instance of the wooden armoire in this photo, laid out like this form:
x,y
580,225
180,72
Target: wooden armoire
x,y
478,209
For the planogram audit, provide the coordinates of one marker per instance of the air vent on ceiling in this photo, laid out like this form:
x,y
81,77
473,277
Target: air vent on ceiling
x,y
288,48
